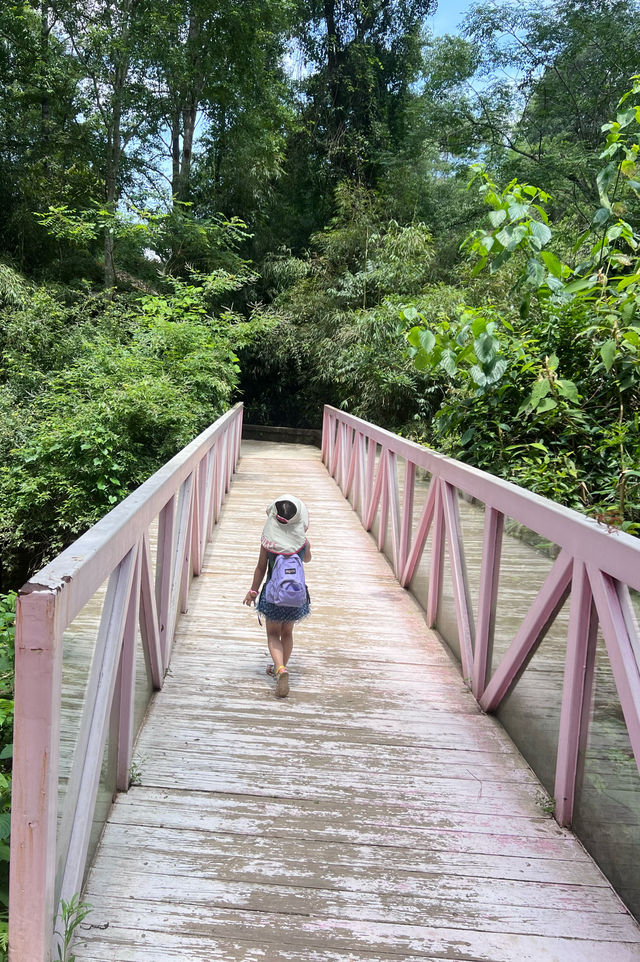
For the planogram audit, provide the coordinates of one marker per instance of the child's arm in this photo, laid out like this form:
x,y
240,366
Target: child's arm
x,y
307,554
258,575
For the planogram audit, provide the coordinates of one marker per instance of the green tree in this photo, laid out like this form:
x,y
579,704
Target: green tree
x,y
550,76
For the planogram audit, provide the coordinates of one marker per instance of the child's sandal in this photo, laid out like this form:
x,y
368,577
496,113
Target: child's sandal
x,y
271,670
282,682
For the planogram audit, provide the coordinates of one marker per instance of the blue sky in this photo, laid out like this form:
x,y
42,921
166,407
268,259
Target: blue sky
x,y
448,16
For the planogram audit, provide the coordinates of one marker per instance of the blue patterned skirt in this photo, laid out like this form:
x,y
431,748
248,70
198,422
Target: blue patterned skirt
x,y
282,612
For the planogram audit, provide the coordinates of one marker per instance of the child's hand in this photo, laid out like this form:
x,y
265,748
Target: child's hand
x,y
250,598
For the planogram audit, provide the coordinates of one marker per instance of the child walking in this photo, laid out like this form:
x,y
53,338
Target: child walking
x,y
284,534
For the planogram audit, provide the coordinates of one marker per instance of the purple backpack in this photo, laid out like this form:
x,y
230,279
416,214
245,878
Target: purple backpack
x,y
286,586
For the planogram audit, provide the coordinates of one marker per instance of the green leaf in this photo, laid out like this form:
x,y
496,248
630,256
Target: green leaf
x,y
540,231
478,375
486,347
413,336
569,390
516,211
581,284
478,326
540,389
604,180
536,274
427,340
552,263
448,362
554,285
546,404
601,216
409,313
625,117
498,367
608,353
422,361
497,217
614,232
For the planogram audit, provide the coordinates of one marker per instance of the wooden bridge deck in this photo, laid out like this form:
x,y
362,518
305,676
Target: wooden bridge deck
x,y
374,814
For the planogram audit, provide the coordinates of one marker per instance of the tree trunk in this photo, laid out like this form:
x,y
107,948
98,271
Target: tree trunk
x,y
114,156
45,106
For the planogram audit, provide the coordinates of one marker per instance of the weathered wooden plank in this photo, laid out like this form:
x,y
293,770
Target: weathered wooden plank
x,y
181,924
492,907
422,827
334,865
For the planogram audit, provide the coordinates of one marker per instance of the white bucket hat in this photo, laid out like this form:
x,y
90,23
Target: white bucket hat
x,y
282,536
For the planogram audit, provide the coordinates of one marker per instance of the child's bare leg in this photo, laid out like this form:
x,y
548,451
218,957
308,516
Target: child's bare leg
x,y
286,639
275,644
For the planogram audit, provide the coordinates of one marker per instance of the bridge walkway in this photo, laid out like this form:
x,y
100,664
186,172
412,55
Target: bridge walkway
x,y
374,814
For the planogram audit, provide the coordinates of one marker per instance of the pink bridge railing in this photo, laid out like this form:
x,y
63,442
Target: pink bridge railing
x,y
50,840
595,566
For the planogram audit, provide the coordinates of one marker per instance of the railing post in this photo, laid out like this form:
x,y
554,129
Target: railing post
x,y
331,442
164,575
325,435
83,784
576,691
353,462
184,572
421,535
149,625
489,582
464,615
126,682
384,499
437,558
393,499
622,646
238,422
221,448
38,679
369,484
407,516
200,542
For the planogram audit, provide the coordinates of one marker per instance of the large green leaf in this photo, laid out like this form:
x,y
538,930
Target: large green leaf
x,y
540,389
427,340
536,274
552,263
608,353
540,231
478,375
569,390
448,362
486,347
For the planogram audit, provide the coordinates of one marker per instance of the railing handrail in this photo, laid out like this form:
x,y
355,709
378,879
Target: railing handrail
x,y
612,550
185,495
79,570
595,566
